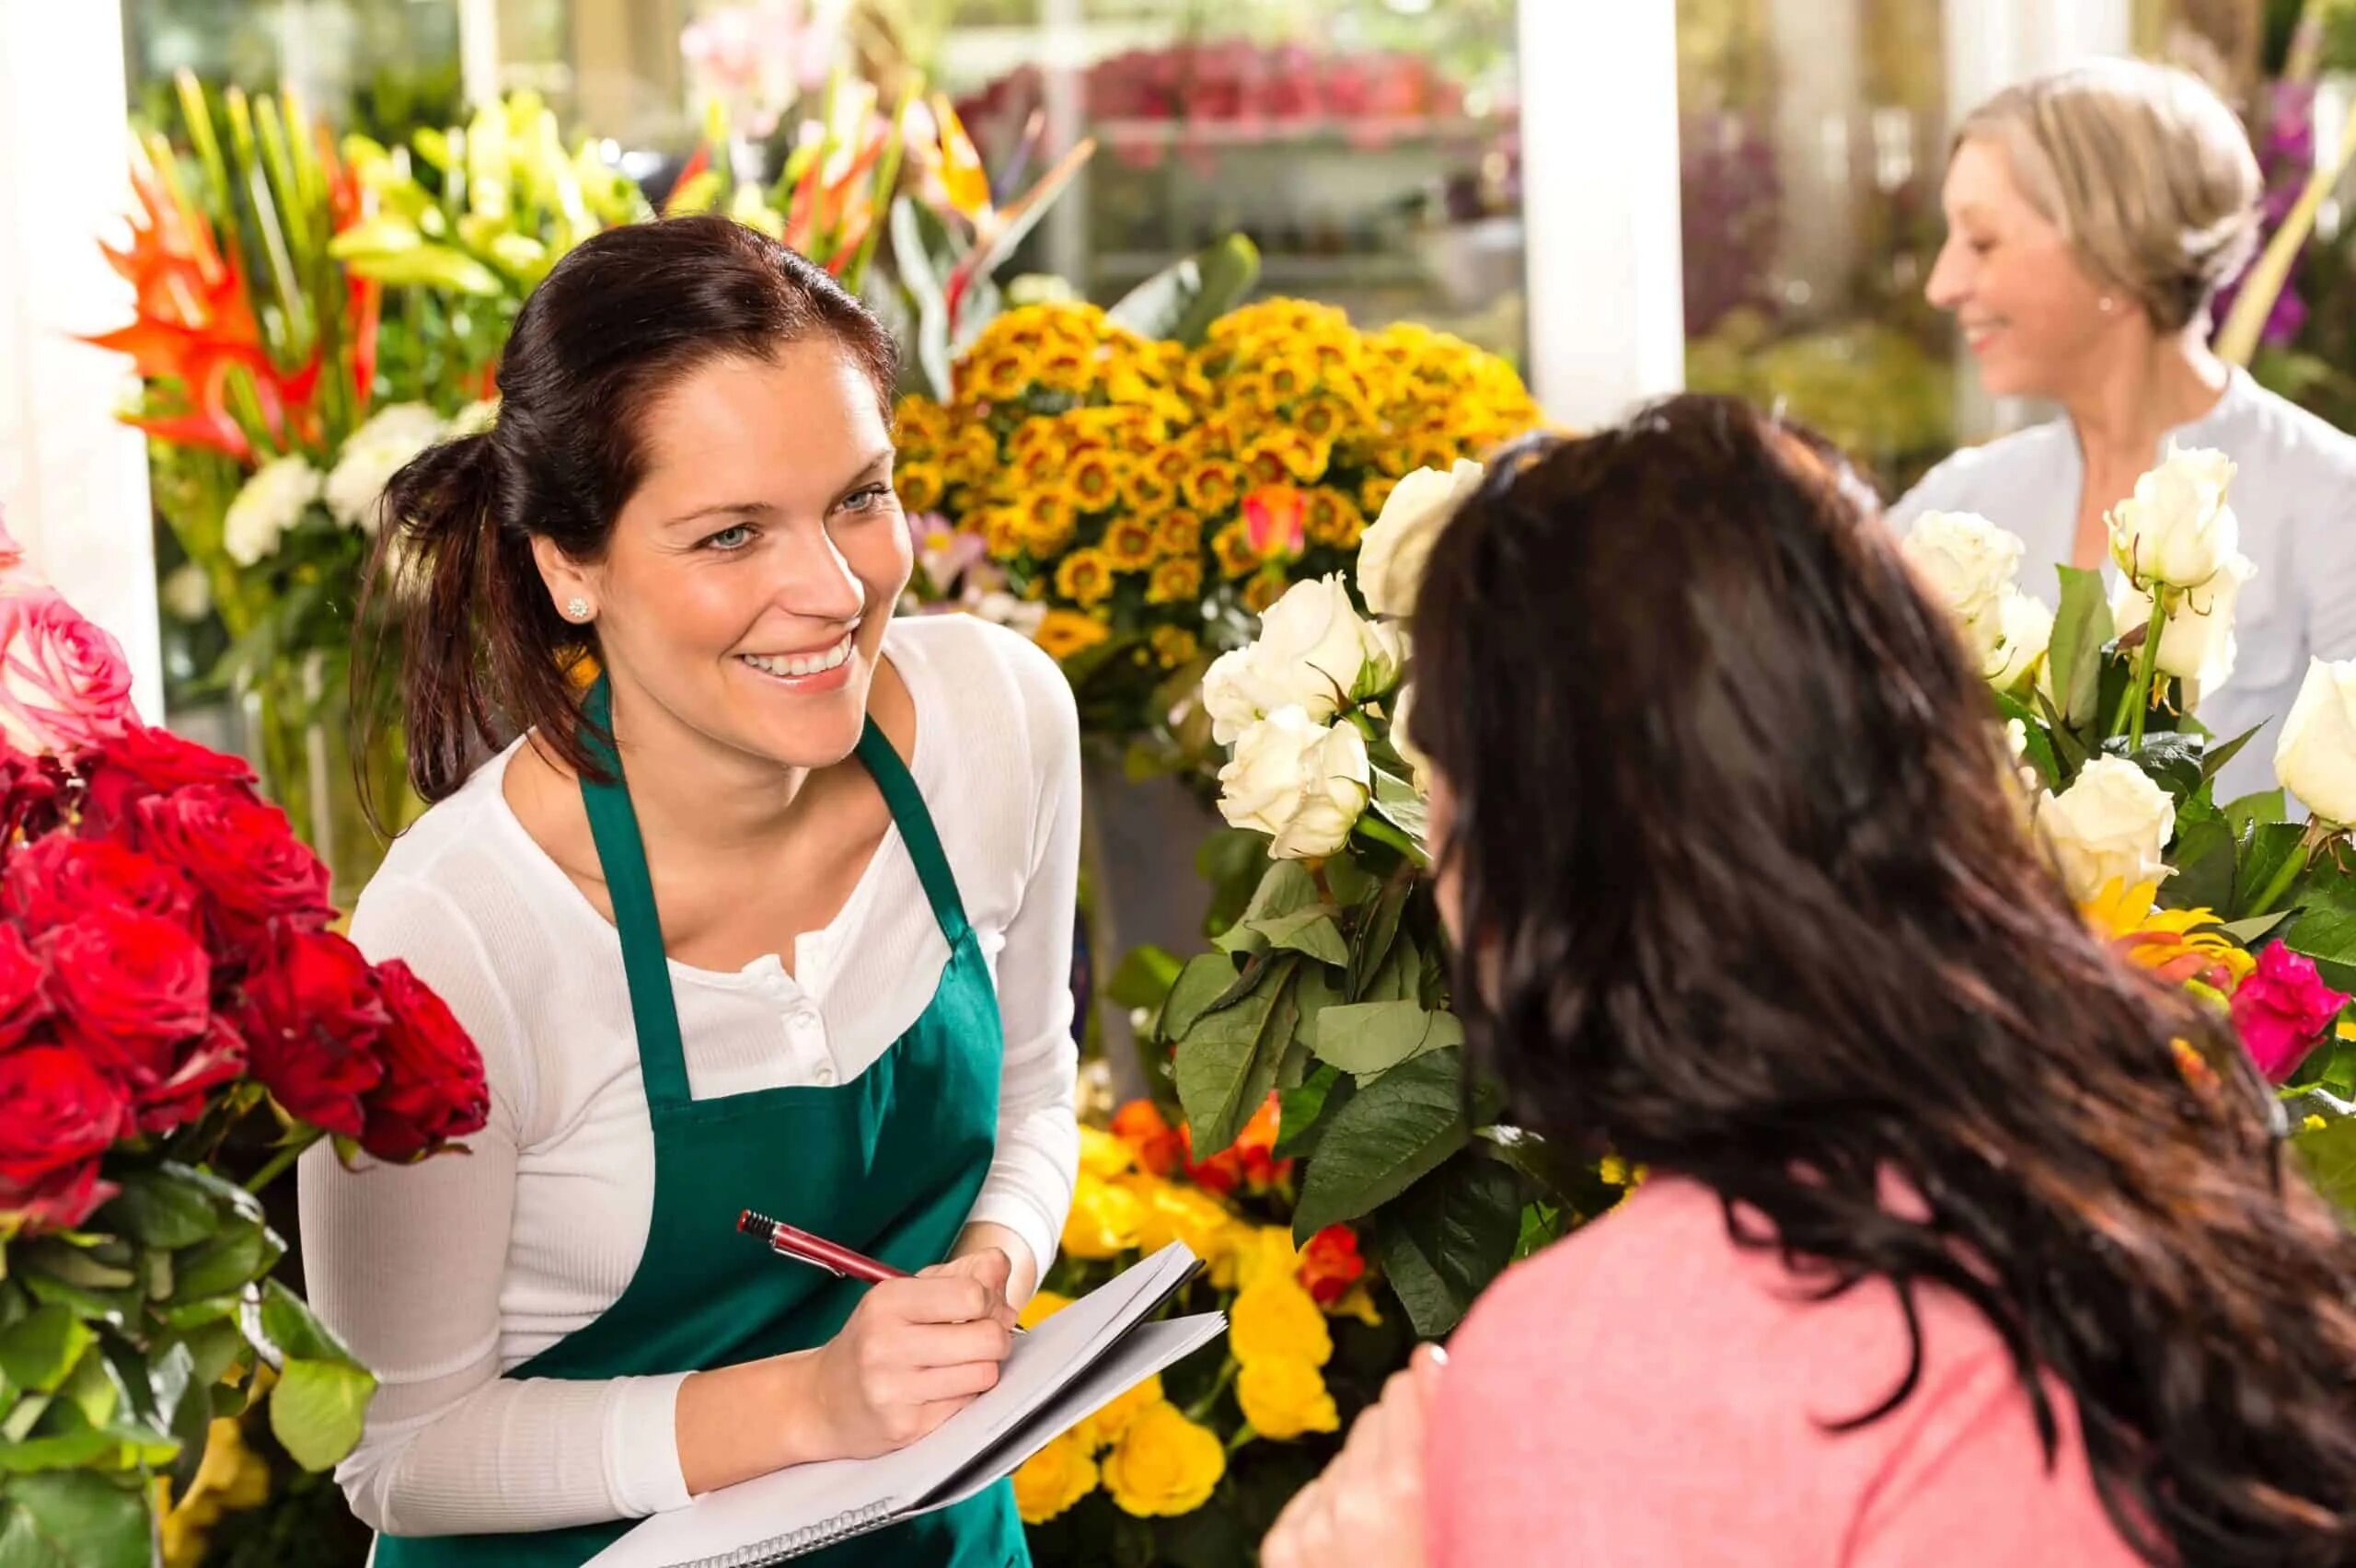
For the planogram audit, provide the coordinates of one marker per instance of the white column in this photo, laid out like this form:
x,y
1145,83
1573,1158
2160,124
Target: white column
x,y
478,49
72,479
1819,115
1599,204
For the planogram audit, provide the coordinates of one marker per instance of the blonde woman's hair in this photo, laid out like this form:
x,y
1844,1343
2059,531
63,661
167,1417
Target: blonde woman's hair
x,y
2146,172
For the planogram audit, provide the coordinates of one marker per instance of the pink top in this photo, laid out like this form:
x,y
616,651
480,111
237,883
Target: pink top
x,y
1649,1393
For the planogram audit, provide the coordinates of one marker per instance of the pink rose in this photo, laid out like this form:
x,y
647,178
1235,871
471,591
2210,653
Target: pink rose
x,y
63,685
2282,1010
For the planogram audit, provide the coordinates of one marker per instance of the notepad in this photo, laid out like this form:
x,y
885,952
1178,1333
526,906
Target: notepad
x,y
1065,1370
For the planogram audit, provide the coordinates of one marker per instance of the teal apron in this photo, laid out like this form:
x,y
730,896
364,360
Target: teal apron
x,y
889,1163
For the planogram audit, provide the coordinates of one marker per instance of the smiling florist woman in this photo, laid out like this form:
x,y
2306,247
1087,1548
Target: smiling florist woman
x,y
852,1013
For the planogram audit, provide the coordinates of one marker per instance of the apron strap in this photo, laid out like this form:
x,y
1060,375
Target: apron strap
x,y
621,854
915,822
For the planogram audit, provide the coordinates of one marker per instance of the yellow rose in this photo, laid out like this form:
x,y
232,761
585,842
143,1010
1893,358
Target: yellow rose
x,y
1256,1254
1103,1155
1107,1427
1043,1305
1103,1221
1164,1465
1052,1479
1283,1398
1358,1302
1274,1319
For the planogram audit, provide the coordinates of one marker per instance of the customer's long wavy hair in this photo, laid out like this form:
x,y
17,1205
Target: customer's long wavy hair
x,y
1748,899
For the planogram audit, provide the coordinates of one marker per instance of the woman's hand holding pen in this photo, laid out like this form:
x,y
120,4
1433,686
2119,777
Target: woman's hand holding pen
x,y
914,1353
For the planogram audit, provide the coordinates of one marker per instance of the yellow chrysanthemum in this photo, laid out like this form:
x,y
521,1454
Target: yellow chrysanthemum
x,y
1180,533
1103,1221
1052,1479
1063,367
1332,518
1261,1252
1374,493
1094,480
996,379
1214,486
971,454
1284,1398
2180,945
1274,1318
1085,577
1001,530
919,424
1146,491
1173,646
1164,1465
919,486
1269,458
1129,543
1231,545
1108,1425
1262,593
1178,1213
1178,580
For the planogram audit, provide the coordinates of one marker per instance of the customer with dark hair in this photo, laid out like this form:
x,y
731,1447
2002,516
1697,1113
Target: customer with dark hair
x,y
1941,1256
668,571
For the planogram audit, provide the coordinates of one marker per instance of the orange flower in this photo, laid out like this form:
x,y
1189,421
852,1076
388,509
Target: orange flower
x,y
1160,1149
1250,1160
1330,1265
1178,580
1275,522
2182,945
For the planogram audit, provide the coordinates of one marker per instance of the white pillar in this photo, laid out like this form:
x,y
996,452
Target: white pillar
x,y
478,49
1599,204
1820,117
72,479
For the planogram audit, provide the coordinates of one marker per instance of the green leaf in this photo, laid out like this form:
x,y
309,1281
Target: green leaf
x,y
95,1387
159,1207
1391,1132
1542,1226
1227,1063
171,1372
39,1351
2069,752
1399,803
1286,889
75,1519
296,1330
1312,994
1178,304
1373,1037
1446,1238
223,1264
114,1307
1144,979
2252,932
1299,1109
1350,883
1204,980
2203,856
2326,928
2214,756
317,1408
2082,629
1312,931
2266,805
2040,753
1234,862
2170,759
1377,931
2265,847
2329,1155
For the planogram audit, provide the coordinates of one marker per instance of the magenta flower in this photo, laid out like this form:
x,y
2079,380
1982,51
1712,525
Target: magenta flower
x,y
2282,1010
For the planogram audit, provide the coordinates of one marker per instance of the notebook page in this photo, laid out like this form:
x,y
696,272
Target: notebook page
x,y
1043,1362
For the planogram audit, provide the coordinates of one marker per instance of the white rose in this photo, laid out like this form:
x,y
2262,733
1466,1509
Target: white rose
x,y
2197,639
372,455
1302,783
1314,652
1414,757
1393,552
2315,759
2025,630
2176,529
272,502
2109,826
1968,564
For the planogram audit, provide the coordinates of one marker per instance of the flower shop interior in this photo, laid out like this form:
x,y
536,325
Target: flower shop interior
x,y
1259,270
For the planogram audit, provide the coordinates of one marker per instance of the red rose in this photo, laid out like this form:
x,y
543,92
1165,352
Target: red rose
x,y
312,1024
242,855
144,762
24,1001
1330,1265
1159,1148
58,1114
128,988
200,1066
54,880
29,790
433,1090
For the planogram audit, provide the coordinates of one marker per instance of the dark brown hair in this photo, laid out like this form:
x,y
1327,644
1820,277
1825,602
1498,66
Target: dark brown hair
x,y
617,322
1753,905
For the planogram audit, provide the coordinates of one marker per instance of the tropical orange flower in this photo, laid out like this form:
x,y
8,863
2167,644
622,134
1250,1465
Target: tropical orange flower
x,y
1160,1149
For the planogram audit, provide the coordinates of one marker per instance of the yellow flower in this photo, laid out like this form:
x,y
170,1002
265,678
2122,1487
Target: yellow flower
x,y
918,422
1147,490
996,379
1274,1318
1332,519
1106,1428
1176,581
919,485
1257,1253
1268,459
1103,1221
1066,367
1264,591
1052,1479
1283,1399
971,455
1180,533
2179,945
1103,1155
1214,486
1233,545
1063,633
1322,417
1002,531
1164,1465
1374,491
2313,1124
1047,523
1043,1305
229,1478
1085,577
1174,645
1176,1212
1129,543
1358,1302
1094,480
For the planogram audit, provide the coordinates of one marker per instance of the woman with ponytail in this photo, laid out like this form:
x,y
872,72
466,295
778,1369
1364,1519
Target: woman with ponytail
x,y
753,896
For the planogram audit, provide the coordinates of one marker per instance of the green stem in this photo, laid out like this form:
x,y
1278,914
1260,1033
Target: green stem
x,y
2286,874
1200,1411
2139,696
277,1166
1381,832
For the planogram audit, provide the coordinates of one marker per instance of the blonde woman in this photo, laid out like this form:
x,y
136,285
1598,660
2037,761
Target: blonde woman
x,y
2092,214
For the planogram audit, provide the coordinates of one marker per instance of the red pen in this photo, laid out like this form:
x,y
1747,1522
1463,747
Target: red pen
x,y
817,1252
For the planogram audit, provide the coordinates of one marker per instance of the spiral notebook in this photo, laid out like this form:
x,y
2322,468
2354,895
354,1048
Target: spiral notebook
x,y
1067,1369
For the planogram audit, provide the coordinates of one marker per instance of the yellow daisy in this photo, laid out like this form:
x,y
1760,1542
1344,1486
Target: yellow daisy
x,y
919,486
1213,487
1094,480
1129,543
1264,591
1176,646
1063,633
1332,519
1085,577
1232,547
1178,581
1180,533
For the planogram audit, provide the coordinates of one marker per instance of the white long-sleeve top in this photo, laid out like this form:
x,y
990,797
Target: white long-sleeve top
x,y
442,1276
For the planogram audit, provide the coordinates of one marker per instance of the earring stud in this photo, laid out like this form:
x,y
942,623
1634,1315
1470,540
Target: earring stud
x,y
576,608
2106,305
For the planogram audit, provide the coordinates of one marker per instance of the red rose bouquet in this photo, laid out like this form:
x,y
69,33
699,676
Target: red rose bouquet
x,y
166,978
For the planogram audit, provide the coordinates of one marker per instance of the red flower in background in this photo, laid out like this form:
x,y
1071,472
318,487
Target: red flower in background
x,y
433,1090
242,854
129,987
24,999
312,1024
28,790
56,880
1330,1265
197,1067
1250,1161
2282,1010
1160,1149
58,1113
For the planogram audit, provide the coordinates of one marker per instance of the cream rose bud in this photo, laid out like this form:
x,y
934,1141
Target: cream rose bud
x,y
2316,759
2025,630
1302,783
1393,552
2109,826
2197,639
1314,652
2176,529
1968,564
